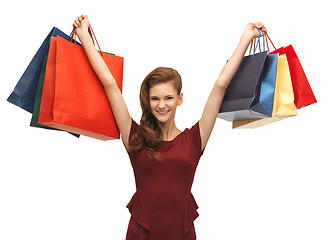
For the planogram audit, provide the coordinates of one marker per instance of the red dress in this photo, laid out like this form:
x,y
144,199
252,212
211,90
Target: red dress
x,y
163,207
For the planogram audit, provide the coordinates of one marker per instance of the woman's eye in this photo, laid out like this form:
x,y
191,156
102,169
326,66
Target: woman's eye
x,y
169,98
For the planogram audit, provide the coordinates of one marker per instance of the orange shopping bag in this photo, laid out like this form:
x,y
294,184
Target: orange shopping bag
x,y
73,98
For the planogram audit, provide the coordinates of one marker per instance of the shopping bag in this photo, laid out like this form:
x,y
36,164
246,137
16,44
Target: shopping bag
x,y
251,91
24,92
283,105
73,99
37,100
302,90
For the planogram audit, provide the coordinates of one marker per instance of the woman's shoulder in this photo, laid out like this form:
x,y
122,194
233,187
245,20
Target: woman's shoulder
x,y
194,132
194,128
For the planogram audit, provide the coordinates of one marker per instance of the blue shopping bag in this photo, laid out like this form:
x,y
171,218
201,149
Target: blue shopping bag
x,y
251,92
24,93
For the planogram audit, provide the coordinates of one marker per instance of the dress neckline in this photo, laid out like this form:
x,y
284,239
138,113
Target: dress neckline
x,y
169,141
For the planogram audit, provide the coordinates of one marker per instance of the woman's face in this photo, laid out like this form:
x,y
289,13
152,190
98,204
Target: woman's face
x,y
164,101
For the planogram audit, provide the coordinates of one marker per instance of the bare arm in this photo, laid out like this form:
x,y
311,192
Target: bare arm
x,y
113,93
216,96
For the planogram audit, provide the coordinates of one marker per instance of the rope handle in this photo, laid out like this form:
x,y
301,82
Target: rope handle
x,y
91,32
71,35
73,30
254,45
267,37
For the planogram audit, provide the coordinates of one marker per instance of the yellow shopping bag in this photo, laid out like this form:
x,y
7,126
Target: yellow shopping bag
x,y
283,104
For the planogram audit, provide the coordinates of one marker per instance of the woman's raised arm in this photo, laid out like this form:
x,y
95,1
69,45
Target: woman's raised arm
x,y
113,93
216,96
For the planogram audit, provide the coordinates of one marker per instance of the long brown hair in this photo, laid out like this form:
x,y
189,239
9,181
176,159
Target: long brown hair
x,y
149,134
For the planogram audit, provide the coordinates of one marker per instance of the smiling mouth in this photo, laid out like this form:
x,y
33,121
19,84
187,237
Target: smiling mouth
x,y
163,112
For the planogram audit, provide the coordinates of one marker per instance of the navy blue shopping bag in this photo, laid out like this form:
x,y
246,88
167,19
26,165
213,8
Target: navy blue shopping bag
x,y
24,93
250,94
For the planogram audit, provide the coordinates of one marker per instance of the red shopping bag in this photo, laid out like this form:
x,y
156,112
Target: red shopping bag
x,y
302,90
73,98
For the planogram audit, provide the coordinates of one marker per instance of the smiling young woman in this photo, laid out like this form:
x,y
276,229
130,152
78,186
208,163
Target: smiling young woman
x,y
160,95
164,158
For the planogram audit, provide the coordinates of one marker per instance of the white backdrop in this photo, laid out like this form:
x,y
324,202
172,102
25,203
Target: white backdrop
x,y
268,183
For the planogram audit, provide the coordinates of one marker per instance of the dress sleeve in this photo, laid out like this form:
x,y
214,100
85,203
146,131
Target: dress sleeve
x,y
133,129
196,137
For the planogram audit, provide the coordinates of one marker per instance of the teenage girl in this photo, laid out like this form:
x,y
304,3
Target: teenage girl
x,y
164,159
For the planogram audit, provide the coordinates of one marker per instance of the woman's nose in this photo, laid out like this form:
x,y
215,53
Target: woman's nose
x,y
162,104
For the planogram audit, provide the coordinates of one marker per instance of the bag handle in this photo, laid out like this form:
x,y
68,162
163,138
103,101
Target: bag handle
x,y
267,37
252,44
91,34
96,40
92,38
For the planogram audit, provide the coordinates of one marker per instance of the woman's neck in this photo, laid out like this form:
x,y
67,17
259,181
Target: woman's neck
x,y
169,130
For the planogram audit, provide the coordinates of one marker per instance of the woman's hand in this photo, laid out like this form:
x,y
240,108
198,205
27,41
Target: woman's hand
x,y
251,31
81,24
